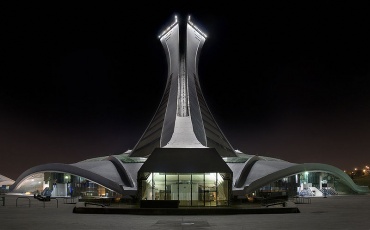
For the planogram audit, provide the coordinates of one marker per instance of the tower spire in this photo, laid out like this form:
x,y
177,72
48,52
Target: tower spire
x,y
183,119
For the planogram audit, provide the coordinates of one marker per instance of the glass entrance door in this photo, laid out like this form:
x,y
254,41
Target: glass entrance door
x,y
196,189
185,188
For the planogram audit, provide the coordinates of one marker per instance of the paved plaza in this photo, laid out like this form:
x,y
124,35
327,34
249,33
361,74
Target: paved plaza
x,y
335,212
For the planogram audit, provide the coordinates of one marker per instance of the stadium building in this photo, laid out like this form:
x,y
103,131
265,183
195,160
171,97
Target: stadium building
x,y
183,154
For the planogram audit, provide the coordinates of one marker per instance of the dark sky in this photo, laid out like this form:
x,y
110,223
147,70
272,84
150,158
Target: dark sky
x,y
283,80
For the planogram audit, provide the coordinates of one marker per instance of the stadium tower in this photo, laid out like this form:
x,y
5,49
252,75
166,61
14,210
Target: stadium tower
x,y
182,119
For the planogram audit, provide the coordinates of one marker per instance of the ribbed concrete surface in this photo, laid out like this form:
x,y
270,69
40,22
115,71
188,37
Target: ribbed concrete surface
x,y
340,212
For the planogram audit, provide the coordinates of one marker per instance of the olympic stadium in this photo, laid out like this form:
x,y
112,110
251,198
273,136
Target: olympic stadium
x,y
183,154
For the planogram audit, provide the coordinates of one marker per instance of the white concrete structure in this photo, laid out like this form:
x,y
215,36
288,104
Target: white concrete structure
x,y
190,149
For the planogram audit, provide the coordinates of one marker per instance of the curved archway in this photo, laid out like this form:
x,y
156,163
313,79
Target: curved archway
x,y
65,168
302,168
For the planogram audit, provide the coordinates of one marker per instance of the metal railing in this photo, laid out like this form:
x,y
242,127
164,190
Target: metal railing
x,y
302,200
53,198
43,201
70,200
49,200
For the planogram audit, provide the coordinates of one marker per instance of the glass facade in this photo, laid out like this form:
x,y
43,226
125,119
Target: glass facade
x,y
63,185
286,186
307,183
191,189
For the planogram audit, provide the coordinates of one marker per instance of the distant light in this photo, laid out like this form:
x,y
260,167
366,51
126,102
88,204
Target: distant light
x,y
66,177
189,18
364,170
355,168
306,173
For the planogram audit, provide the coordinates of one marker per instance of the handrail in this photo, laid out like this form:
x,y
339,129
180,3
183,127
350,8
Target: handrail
x,y
29,201
54,198
72,200
51,198
302,200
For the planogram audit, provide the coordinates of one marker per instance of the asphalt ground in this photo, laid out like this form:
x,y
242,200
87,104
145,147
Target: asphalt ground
x,y
334,212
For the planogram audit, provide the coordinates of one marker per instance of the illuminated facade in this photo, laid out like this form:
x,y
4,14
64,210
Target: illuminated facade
x,y
183,119
5,182
183,154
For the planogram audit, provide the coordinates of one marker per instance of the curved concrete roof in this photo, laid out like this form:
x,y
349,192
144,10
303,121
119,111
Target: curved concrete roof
x,y
254,168
245,170
265,172
262,168
5,180
249,176
101,172
112,168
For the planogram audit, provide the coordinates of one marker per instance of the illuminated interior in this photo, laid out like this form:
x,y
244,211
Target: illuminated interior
x,y
191,189
63,185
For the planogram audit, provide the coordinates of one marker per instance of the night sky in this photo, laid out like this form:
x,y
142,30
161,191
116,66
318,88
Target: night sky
x,y
282,80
